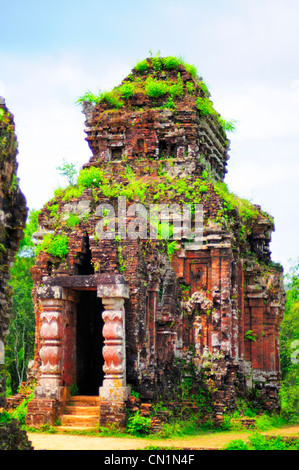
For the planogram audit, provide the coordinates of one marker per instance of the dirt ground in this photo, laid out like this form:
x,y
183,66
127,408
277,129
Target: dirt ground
x,y
207,441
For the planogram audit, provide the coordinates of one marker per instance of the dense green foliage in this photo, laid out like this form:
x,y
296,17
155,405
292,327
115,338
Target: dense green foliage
x,y
54,244
259,442
19,347
289,347
68,171
162,190
145,80
138,425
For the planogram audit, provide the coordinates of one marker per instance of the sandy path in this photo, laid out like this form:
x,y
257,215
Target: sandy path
x,y
208,441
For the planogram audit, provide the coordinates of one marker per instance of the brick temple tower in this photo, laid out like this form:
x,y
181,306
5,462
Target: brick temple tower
x,y
117,312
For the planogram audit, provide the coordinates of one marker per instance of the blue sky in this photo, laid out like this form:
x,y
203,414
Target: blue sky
x,y
247,52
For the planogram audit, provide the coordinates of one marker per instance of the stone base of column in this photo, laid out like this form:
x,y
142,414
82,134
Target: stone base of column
x,y
113,413
114,393
42,411
48,388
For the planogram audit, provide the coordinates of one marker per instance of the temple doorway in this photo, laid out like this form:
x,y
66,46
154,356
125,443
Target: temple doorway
x,y
89,343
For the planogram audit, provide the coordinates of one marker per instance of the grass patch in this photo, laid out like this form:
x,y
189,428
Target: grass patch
x,y
55,245
144,80
259,442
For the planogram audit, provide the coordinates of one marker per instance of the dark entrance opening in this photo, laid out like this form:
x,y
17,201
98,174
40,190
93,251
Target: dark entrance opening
x,y
89,343
116,153
85,266
167,149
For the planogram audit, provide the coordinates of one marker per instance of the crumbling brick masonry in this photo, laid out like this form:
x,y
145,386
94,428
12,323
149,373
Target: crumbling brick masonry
x,y
159,316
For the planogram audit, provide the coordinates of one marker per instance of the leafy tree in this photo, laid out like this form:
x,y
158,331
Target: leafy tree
x,y
19,348
68,171
289,347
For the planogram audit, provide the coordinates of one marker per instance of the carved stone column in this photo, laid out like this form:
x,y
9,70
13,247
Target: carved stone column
x,y
114,351
51,350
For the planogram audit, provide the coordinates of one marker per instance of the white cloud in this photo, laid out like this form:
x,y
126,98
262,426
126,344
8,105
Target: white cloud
x,y
250,176
262,110
50,134
260,30
49,125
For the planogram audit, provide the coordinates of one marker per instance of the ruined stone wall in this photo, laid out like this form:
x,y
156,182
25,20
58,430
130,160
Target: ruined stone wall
x,y
145,129
192,311
13,214
207,316
144,265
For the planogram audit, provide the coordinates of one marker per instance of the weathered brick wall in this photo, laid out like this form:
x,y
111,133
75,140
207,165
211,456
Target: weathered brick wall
x,y
209,315
13,214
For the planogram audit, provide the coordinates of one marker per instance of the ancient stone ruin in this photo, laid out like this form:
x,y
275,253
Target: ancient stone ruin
x,y
13,213
122,311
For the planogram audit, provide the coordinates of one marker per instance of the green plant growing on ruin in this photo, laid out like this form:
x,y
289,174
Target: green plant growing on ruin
x,y
14,183
72,220
171,62
204,88
129,173
165,63
68,193
112,98
122,263
250,336
74,390
68,171
138,424
20,411
53,208
172,247
55,245
190,88
191,69
231,204
157,61
135,394
205,106
127,90
91,176
176,88
155,88
185,288
142,66
227,126
89,96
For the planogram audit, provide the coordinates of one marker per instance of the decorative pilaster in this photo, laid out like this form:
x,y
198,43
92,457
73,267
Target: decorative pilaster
x,y
114,352
51,350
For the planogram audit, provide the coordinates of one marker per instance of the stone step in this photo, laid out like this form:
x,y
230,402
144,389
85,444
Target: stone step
x,y
81,410
84,400
76,428
79,420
